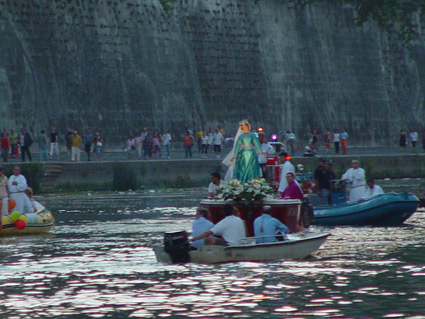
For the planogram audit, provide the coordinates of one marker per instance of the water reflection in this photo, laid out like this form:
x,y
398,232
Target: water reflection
x,y
98,262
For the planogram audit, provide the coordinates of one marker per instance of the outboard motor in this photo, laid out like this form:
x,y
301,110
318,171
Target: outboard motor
x,y
177,245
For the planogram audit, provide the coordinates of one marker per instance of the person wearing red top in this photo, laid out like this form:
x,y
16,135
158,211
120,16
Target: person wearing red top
x,y
5,145
187,143
293,190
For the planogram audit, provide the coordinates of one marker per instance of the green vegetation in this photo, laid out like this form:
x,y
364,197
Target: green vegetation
x,y
393,16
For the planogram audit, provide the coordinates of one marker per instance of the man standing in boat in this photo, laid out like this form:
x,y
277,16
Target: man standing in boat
x,y
17,187
356,177
267,226
284,169
321,180
293,190
231,229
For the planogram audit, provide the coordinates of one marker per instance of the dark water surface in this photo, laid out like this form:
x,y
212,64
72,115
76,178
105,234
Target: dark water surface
x,y
98,262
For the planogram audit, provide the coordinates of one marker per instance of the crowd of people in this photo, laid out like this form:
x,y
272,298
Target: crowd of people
x,y
14,144
147,145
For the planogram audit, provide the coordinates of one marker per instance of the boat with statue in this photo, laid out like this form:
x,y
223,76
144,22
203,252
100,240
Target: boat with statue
x,y
295,214
249,193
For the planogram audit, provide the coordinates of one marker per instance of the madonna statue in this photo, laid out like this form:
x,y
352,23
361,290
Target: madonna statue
x,y
243,162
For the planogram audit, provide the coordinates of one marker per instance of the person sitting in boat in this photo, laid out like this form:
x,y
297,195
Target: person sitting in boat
x,y
231,229
215,183
293,190
372,190
356,176
17,187
35,205
267,226
200,225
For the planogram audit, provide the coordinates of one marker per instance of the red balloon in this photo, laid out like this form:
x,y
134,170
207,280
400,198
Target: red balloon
x,y
12,203
20,224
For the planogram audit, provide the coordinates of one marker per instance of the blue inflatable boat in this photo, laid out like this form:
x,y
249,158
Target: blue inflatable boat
x,y
387,209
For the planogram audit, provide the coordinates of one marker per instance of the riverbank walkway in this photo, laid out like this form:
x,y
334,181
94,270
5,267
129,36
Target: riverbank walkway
x,y
121,155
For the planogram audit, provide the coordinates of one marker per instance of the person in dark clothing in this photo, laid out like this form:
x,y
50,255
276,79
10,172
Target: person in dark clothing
x,y
330,178
322,182
26,142
148,146
68,136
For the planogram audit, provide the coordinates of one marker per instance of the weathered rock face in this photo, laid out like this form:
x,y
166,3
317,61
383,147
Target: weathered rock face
x,y
119,65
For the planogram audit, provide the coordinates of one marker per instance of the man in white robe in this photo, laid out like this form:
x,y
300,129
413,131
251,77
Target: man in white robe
x,y
17,187
284,169
356,177
372,190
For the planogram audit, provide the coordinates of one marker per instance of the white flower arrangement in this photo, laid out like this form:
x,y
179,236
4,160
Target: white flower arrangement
x,y
254,190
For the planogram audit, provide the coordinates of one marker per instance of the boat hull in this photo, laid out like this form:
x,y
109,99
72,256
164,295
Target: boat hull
x,y
387,209
38,223
298,246
287,211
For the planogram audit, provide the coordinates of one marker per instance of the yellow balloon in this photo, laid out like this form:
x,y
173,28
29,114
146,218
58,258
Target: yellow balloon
x,y
14,216
24,218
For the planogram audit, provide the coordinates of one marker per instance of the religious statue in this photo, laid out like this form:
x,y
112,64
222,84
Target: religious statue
x,y
243,161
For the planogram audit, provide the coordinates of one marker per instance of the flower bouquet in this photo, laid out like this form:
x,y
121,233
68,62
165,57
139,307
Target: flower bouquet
x,y
255,190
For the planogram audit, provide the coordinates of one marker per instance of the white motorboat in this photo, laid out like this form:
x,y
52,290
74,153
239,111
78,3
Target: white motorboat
x,y
296,246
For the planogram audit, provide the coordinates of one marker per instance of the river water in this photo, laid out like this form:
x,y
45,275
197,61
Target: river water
x,y
98,262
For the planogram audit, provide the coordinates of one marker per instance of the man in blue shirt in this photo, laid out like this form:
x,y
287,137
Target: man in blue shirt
x,y
200,225
266,225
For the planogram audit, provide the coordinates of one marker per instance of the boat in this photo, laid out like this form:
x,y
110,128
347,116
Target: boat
x,y
296,246
39,222
290,212
387,209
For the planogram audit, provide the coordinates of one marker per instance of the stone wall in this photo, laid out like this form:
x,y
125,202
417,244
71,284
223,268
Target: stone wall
x,y
119,65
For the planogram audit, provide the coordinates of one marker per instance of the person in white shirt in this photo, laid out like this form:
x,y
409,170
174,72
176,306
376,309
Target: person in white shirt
x,y
231,229
138,142
17,187
336,140
413,136
356,177
215,183
217,141
204,146
284,169
266,149
372,190
200,225
166,139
